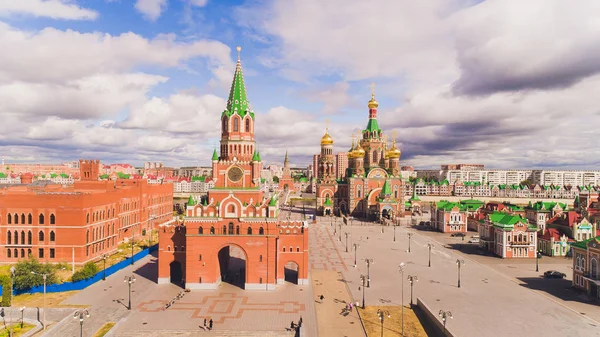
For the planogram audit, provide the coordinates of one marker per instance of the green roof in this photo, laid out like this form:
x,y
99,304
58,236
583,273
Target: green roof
x,y
545,206
386,189
508,221
415,197
198,178
53,175
583,244
273,201
64,175
256,156
328,202
215,156
104,176
2,175
372,126
237,103
191,201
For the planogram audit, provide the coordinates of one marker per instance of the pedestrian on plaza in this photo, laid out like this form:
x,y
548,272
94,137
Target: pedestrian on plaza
x,y
322,298
350,306
300,322
205,322
210,323
292,325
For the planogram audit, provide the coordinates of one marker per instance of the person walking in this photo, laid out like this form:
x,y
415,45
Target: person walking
x,y
300,322
205,322
210,324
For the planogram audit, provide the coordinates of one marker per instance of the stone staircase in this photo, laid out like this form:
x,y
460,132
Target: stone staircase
x,y
218,333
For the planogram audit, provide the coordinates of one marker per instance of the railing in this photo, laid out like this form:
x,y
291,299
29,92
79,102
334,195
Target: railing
x,y
520,243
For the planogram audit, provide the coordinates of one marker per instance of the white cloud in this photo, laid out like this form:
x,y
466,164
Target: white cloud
x,y
55,9
151,9
199,3
334,97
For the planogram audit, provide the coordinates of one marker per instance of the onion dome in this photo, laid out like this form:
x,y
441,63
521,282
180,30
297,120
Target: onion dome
x,y
326,140
351,151
394,152
359,152
373,104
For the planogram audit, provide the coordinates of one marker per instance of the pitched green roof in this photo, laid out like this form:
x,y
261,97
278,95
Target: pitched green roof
x,y
64,175
386,189
256,156
198,178
328,202
542,206
237,103
508,221
372,125
273,201
215,156
191,201
2,175
583,244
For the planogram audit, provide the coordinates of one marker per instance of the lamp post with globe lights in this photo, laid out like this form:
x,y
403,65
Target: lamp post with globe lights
x,y
430,246
81,314
355,246
130,280
409,237
401,270
363,279
382,314
445,315
368,262
459,263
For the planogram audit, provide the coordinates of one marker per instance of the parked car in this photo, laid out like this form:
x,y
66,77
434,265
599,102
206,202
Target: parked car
x,y
554,274
474,240
460,235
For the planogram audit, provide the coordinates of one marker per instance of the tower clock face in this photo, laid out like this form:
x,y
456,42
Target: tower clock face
x,y
235,174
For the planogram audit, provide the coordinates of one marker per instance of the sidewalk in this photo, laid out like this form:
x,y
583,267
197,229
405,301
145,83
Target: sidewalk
x,y
330,321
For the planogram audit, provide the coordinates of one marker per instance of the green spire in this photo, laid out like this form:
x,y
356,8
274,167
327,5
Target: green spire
x,y
273,200
256,156
415,197
286,160
215,156
328,202
386,189
191,201
238,99
373,125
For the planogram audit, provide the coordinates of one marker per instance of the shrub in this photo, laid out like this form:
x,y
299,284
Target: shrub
x,y
6,283
89,269
24,279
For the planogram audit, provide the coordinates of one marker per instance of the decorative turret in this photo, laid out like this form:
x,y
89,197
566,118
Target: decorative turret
x,y
191,201
238,103
372,131
215,156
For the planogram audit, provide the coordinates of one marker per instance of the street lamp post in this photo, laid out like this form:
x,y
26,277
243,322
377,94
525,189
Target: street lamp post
x,y
340,239
395,233
430,245
409,237
81,314
45,276
444,315
104,257
368,262
412,279
401,266
130,280
381,314
355,246
346,241
12,279
538,256
363,278
22,316
459,263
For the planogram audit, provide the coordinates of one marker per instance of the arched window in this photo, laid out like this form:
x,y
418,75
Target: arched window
x,y
297,249
212,230
236,124
29,219
231,209
8,253
230,232
16,219
113,229
237,230
22,237
249,230
594,268
200,230
260,258
9,219
103,215
87,236
375,156
358,192
224,124
284,249
168,248
9,237
261,231
247,124
199,257
28,252
16,253
29,237
23,218
224,231
16,239
87,218
260,280
52,236
22,252
291,249
41,219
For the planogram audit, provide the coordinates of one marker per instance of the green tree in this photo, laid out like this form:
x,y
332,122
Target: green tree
x,y
6,283
24,279
276,180
89,269
526,182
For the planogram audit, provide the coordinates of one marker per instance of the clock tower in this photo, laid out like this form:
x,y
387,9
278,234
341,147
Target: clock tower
x,y
238,165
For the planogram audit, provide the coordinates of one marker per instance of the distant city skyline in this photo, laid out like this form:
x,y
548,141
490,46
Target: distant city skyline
x,y
146,80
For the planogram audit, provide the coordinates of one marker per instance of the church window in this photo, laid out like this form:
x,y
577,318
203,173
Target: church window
x,y
260,258
22,218
200,230
22,237
52,219
8,237
41,219
224,124
8,253
236,125
224,231
212,230
230,232
261,231
29,219
29,237
16,219
9,220
247,125
52,236
237,230
249,230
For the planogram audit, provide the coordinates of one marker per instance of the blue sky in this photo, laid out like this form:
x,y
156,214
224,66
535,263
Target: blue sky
x,y
146,80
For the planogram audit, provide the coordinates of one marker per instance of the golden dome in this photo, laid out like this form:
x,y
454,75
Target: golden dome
x,y
373,104
326,140
351,151
359,152
394,152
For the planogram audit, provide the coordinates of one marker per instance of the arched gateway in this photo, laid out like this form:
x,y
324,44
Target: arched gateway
x,y
234,234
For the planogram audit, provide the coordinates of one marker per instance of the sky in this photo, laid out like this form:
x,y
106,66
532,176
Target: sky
x,y
505,83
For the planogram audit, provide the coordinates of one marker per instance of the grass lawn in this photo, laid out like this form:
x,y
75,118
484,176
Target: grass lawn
x,y
104,329
17,331
392,326
53,300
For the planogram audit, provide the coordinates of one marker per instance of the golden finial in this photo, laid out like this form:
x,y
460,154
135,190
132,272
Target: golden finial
x,y
326,140
239,50
326,124
394,136
373,104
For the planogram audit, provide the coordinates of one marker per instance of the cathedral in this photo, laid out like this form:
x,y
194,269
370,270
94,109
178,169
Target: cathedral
x,y
371,187
235,233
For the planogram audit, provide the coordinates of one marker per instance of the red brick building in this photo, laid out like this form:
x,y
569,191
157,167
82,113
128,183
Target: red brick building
x,y
79,223
234,233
